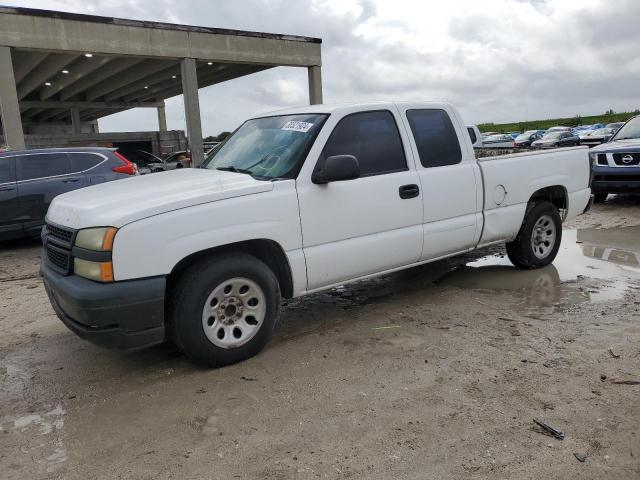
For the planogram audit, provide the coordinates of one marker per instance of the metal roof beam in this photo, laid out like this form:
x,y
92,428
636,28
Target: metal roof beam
x,y
83,105
80,69
148,67
148,81
112,68
25,61
43,72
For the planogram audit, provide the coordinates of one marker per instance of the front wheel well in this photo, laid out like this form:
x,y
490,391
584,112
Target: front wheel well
x,y
268,251
555,194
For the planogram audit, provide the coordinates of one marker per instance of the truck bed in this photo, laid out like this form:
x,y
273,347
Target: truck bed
x,y
510,180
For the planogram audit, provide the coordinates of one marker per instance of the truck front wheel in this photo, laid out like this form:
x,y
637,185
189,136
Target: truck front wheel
x,y
224,309
539,237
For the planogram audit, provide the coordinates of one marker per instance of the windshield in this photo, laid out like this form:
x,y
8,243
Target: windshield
x,y
602,131
630,130
268,148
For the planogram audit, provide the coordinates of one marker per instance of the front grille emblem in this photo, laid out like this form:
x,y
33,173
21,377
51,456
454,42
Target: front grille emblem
x,y
627,159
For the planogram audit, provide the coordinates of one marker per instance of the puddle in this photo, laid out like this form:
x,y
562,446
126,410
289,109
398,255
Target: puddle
x,y
594,265
610,257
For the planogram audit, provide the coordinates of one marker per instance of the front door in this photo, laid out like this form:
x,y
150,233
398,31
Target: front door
x,y
368,225
450,181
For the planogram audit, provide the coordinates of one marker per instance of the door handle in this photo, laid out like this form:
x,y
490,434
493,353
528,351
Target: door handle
x,y
71,180
409,191
6,189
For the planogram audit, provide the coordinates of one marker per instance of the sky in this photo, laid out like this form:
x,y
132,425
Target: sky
x,y
496,60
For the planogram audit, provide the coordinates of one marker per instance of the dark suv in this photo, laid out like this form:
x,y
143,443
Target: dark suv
x,y
616,164
30,179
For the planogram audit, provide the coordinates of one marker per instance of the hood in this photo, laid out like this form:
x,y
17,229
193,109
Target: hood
x,y
117,203
631,145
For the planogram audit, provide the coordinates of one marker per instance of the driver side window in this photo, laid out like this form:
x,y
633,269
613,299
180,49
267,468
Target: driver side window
x,y
373,138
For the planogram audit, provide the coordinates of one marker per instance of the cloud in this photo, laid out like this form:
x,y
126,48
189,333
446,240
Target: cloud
x,y
497,60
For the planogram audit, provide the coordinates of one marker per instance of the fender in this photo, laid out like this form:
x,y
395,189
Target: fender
x,y
149,247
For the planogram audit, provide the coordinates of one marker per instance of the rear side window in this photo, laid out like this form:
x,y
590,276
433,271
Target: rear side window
x,y
42,165
83,161
435,137
7,170
472,134
373,138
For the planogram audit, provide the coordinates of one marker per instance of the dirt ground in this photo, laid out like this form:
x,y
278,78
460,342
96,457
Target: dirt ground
x,y
436,372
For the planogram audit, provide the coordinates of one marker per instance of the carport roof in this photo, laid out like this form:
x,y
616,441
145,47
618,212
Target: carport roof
x,y
102,65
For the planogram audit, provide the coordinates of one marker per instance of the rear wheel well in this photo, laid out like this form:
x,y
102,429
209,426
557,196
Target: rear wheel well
x,y
556,194
266,250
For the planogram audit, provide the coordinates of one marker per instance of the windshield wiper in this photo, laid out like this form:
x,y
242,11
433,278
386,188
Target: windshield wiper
x,y
243,170
235,170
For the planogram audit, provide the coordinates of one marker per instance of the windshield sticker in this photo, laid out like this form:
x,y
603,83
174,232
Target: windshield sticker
x,y
297,126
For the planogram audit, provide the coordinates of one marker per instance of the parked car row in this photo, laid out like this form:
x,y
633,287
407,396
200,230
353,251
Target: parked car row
x,y
559,136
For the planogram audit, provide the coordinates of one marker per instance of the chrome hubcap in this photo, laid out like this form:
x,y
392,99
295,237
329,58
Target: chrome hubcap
x,y
234,312
543,237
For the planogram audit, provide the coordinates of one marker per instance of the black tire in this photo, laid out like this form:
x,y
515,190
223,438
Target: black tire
x,y
600,197
557,145
521,251
185,308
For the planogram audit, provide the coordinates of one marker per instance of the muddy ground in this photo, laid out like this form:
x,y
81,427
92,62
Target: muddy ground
x,y
435,372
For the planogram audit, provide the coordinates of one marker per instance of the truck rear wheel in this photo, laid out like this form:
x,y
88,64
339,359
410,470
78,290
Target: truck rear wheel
x,y
539,237
224,309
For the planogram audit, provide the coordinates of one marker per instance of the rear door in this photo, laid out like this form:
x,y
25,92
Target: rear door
x,y
449,178
359,227
42,177
10,225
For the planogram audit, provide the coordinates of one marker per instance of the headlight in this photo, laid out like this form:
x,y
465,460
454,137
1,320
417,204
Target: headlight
x,y
97,239
594,158
95,265
98,271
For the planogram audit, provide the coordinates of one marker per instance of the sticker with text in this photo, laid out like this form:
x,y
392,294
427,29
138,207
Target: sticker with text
x,y
297,126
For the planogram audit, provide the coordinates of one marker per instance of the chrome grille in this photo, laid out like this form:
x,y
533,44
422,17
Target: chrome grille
x,y
626,159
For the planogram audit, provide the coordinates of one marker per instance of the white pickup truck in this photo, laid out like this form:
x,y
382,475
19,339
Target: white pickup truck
x,y
294,202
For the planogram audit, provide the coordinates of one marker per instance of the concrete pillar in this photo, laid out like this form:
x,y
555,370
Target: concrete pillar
x,y
75,120
192,109
162,118
315,85
9,106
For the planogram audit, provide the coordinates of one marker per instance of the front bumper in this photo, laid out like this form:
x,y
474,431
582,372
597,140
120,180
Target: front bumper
x,y
121,315
616,179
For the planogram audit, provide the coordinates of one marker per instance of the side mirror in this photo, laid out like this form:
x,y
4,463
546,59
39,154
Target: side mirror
x,y
335,169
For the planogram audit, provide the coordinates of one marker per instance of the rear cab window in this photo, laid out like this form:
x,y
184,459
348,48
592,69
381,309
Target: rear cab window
x,y
373,138
435,137
472,135
42,165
